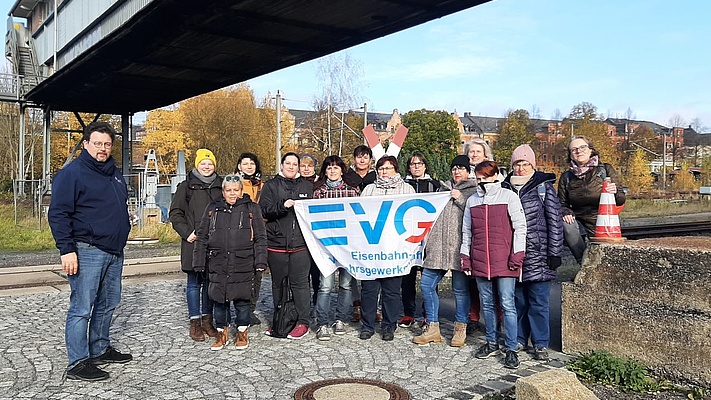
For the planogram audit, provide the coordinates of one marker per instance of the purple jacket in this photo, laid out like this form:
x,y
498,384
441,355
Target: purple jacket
x,y
493,233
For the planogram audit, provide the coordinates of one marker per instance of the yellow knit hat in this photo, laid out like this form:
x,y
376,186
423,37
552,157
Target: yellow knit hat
x,y
204,154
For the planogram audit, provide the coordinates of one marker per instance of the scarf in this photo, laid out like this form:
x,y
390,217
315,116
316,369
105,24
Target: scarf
x,y
254,179
333,184
204,179
581,170
519,181
388,183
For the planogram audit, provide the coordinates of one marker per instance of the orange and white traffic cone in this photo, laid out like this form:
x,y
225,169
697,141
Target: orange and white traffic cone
x,y
607,227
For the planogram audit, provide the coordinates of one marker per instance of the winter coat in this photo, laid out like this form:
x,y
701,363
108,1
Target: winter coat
x,y
544,222
283,231
493,233
353,179
231,244
375,190
424,185
445,237
189,202
581,196
89,205
253,188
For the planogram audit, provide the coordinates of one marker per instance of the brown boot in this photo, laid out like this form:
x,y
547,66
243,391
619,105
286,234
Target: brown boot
x,y
223,336
429,334
460,335
208,327
196,332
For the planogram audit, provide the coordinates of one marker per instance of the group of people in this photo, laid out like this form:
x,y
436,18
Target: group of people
x,y
502,238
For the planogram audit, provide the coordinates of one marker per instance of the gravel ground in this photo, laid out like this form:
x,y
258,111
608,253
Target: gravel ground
x,y
44,257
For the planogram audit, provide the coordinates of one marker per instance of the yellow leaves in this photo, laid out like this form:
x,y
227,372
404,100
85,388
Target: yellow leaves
x,y
639,178
226,121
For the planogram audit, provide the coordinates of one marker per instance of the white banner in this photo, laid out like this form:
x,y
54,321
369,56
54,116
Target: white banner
x,y
370,237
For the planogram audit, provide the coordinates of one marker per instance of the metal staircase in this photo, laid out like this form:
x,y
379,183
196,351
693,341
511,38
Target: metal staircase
x,y
26,69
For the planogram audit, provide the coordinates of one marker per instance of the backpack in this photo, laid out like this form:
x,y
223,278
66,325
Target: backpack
x,y
285,315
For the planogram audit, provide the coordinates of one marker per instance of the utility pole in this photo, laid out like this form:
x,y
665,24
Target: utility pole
x,y
365,120
664,162
278,132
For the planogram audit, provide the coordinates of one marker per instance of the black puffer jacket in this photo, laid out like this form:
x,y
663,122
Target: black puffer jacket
x,y
581,196
544,224
283,232
231,244
189,202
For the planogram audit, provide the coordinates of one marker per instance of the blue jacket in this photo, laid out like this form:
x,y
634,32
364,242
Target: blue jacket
x,y
89,206
544,221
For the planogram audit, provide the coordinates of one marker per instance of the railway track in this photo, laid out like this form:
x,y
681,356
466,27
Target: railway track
x,y
698,225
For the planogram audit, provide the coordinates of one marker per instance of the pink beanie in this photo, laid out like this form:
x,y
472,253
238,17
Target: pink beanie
x,y
523,152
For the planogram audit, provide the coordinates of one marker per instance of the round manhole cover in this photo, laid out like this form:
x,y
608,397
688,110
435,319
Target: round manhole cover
x,y
348,389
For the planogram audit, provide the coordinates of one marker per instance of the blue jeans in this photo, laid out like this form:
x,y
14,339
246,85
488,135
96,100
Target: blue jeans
x,y
323,301
95,294
506,288
533,311
460,287
223,315
573,234
199,303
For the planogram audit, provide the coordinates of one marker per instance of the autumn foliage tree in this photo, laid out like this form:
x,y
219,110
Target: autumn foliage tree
x,y
226,121
584,121
639,178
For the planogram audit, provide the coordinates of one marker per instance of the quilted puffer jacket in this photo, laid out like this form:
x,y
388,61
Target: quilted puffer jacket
x,y
544,222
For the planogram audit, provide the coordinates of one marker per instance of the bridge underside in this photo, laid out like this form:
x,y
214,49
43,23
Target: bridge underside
x,y
176,49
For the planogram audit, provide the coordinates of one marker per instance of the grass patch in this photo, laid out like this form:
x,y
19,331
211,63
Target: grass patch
x,y
164,232
638,208
27,235
31,233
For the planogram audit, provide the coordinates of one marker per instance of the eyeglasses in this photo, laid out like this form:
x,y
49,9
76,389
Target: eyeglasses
x,y
417,164
580,148
522,165
459,168
99,145
232,178
383,169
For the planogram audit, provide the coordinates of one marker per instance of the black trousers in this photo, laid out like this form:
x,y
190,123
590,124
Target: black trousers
x,y
390,296
297,266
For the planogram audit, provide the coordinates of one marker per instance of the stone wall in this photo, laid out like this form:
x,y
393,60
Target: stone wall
x,y
647,299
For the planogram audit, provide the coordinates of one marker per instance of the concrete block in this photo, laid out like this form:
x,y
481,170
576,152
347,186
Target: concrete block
x,y
647,299
554,384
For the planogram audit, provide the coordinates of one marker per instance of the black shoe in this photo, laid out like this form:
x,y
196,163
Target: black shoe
x,y
365,335
487,350
86,371
388,336
540,354
254,320
111,356
511,359
473,327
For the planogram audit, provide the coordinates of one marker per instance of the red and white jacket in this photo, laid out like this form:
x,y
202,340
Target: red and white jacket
x,y
493,233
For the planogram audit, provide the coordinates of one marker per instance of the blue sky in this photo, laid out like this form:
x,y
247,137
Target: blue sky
x,y
650,56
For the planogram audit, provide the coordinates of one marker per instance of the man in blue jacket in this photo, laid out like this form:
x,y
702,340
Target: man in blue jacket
x,y
89,221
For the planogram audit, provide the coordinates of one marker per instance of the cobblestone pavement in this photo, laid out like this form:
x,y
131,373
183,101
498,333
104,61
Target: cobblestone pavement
x,y
151,323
